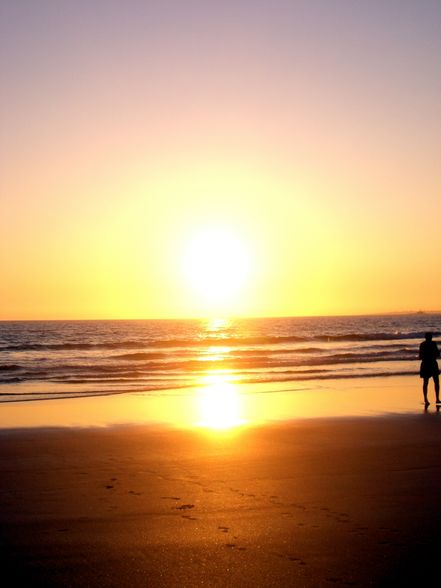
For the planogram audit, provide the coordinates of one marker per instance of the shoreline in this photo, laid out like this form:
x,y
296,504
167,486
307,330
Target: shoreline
x,y
224,404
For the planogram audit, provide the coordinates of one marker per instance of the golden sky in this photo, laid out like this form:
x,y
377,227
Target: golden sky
x,y
296,144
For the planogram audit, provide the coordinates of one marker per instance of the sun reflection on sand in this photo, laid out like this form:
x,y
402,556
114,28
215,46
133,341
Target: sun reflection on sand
x,y
222,404
219,403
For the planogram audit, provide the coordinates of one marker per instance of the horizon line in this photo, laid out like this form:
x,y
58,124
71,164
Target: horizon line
x,y
232,317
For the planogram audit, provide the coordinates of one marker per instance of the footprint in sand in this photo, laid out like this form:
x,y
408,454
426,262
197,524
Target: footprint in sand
x,y
359,530
296,505
298,560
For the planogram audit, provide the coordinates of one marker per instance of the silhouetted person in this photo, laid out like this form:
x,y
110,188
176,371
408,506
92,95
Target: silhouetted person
x,y
429,353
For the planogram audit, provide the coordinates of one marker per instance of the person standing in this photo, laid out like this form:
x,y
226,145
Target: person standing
x,y
429,353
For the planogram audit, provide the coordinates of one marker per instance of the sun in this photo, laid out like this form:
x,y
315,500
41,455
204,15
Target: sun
x,y
216,265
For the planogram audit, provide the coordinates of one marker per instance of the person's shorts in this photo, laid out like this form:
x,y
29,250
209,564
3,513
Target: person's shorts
x,y
429,369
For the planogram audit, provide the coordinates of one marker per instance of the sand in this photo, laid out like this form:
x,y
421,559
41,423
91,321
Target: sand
x,y
324,502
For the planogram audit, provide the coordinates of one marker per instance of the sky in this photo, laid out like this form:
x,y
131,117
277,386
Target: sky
x,y
189,158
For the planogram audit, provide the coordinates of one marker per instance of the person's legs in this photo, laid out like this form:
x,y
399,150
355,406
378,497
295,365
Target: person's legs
x,y
436,382
425,385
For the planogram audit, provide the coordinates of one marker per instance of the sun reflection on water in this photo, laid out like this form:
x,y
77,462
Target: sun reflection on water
x,y
214,353
219,405
217,325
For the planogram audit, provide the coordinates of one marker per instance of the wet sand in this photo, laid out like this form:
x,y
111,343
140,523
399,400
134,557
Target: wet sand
x,y
324,502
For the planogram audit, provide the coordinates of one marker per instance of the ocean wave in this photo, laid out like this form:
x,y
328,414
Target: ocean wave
x,y
72,346
140,356
142,345
295,377
238,352
208,342
355,337
142,369
13,380
10,368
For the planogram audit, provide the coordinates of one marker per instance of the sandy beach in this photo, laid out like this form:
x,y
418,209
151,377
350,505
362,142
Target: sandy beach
x,y
313,502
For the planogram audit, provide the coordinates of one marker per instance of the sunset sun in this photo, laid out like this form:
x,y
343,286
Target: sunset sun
x,y
216,265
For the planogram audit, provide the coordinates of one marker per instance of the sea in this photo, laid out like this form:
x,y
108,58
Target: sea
x,y
42,360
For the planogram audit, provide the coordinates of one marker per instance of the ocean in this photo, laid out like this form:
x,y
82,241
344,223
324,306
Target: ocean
x,y
63,359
